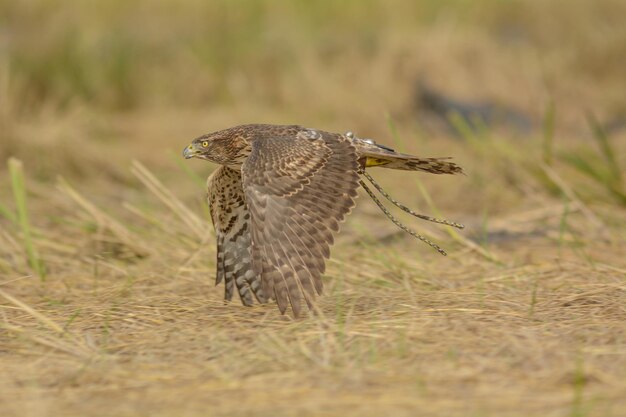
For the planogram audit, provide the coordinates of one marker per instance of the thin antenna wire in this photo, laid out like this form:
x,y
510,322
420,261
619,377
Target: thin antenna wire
x,y
408,210
397,223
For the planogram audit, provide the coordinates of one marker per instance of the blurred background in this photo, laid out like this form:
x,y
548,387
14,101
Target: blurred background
x,y
129,78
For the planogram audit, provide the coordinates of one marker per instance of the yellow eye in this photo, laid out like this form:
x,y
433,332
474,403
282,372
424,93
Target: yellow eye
x,y
205,144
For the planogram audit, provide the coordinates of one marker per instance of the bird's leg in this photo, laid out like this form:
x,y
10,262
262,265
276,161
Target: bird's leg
x,y
396,222
408,210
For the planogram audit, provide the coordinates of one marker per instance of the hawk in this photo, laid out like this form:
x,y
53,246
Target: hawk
x,y
278,198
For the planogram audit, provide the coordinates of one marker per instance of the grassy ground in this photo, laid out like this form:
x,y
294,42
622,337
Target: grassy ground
x,y
107,305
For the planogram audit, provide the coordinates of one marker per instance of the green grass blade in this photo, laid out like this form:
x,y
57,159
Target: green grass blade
x,y
587,165
466,131
563,226
607,150
6,213
395,136
548,133
16,172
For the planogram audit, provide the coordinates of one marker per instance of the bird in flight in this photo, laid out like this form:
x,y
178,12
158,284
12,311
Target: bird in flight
x,y
278,198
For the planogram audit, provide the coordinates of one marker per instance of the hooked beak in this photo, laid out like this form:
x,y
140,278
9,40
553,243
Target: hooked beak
x,y
189,152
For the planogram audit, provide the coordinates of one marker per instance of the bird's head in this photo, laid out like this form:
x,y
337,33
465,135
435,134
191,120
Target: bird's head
x,y
200,148
225,147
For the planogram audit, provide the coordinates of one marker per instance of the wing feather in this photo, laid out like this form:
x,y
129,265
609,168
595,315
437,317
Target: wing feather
x,y
298,187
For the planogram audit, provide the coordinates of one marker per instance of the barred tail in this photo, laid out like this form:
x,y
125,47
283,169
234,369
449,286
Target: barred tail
x,y
372,154
412,163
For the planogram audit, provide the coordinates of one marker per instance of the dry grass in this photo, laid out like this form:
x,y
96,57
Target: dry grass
x,y
525,317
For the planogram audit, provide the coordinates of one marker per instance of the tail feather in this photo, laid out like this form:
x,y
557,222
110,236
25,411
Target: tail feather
x,y
373,155
411,163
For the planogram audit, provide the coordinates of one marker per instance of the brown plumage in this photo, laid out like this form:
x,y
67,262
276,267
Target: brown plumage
x,y
278,198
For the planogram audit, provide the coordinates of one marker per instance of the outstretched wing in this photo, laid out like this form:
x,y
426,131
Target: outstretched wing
x,y
298,187
231,219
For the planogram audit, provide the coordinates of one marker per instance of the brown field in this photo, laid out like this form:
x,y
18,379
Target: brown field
x,y
107,302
